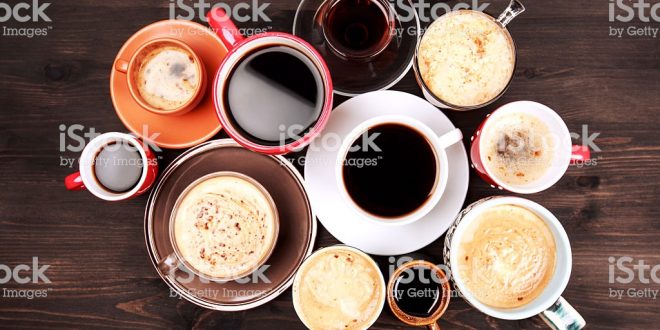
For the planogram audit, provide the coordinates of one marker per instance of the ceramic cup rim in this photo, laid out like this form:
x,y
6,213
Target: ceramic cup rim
x,y
181,197
442,166
435,100
562,152
248,46
133,68
343,247
555,286
88,157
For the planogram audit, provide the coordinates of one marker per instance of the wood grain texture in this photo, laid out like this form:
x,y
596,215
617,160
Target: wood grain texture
x,y
101,274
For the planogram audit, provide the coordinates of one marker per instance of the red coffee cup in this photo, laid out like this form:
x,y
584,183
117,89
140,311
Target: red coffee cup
x,y
562,149
241,48
87,177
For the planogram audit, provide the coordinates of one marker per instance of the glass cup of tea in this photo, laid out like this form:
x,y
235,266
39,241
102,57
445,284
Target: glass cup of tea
x,y
273,92
357,29
115,167
457,67
393,169
418,293
165,76
511,259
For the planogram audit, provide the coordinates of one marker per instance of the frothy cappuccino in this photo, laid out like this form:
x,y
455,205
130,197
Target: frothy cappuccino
x,y
507,256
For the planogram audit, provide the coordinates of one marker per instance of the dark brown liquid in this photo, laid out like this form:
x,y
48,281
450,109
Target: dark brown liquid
x,y
402,178
274,96
118,167
358,27
417,293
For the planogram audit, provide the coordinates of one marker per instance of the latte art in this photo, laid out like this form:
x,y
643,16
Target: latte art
x,y
507,256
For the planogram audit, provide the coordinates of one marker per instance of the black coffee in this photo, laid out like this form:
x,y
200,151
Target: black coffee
x,y
358,27
417,292
396,180
274,96
118,167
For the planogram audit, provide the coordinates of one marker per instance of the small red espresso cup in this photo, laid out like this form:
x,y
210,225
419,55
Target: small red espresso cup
x,y
115,167
556,142
251,86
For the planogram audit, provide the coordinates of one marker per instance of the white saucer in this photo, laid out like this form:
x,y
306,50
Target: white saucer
x,y
343,222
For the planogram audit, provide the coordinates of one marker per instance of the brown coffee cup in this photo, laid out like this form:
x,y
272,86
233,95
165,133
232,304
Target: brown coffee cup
x,y
431,321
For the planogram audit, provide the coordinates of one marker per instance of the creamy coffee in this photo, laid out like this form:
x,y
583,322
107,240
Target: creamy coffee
x,y
168,77
225,227
507,256
466,58
518,149
338,288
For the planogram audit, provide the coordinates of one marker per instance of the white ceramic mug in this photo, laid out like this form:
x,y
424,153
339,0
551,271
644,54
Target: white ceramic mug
x,y
550,306
439,145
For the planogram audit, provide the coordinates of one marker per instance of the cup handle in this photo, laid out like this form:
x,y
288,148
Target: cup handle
x,y
433,326
562,316
121,65
580,154
169,264
222,25
514,9
74,182
451,138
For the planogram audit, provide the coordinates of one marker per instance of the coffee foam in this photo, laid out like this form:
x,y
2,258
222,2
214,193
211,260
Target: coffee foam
x,y
224,227
517,148
339,289
168,77
466,58
507,256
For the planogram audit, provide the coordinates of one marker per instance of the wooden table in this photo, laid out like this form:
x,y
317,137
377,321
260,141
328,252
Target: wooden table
x,y
99,270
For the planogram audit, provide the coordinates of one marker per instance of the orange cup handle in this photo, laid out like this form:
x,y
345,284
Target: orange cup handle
x,y
222,25
121,65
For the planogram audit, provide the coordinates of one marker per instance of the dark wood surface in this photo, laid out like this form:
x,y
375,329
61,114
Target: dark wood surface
x,y
101,274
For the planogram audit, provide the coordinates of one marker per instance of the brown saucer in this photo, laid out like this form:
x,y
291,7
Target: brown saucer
x,y
297,223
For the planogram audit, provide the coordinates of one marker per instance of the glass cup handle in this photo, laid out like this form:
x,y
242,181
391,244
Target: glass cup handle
x,y
169,264
514,9
562,316
433,326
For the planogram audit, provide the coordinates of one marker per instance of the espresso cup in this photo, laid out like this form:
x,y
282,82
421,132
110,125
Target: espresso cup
x,y
88,178
132,67
357,30
548,304
405,293
557,143
177,260
258,99
437,147
453,85
338,286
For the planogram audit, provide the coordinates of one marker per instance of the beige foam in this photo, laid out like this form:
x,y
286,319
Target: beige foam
x,y
168,77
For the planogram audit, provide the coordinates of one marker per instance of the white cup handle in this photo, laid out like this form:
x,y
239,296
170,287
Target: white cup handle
x,y
451,138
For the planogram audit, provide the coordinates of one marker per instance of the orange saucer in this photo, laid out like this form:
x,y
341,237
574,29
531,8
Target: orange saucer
x,y
175,132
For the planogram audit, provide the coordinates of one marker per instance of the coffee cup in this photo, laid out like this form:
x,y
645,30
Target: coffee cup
x,y
273,92
223,226
524,147
457,67
511,259
338,287
418,293
393,169
114,167
357,30
164,76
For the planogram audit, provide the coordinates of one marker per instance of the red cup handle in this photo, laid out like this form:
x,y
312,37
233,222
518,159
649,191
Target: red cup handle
x,y
74,182
224,27
580,154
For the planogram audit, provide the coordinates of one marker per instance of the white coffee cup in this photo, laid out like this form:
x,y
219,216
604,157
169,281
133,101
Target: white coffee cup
x,y
439,145
549,305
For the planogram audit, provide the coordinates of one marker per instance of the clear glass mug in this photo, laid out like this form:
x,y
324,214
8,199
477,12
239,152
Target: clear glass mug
x,y
514,9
